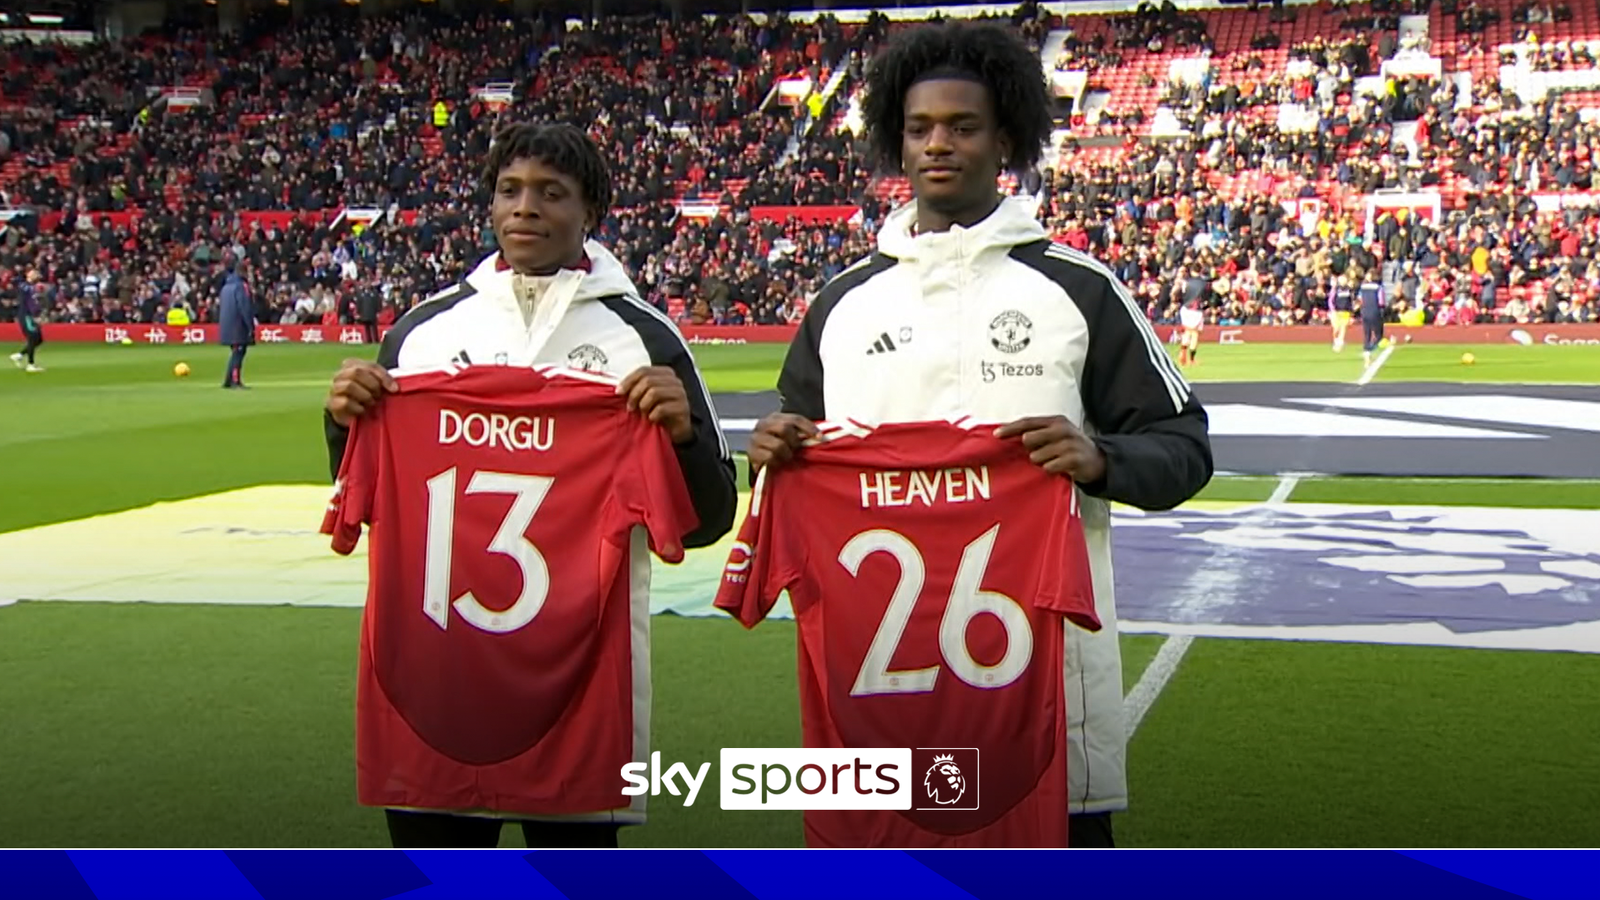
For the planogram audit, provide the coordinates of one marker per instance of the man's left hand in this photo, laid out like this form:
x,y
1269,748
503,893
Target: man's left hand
x,y
1058,447
657,393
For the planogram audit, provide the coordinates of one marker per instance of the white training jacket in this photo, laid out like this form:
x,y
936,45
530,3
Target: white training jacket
x,y
997,322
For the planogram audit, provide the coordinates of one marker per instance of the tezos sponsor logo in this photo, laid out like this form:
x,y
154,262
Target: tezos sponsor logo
x,y
993,371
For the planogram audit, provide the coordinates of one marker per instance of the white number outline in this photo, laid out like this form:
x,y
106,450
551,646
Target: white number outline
x,y
510,540
966,602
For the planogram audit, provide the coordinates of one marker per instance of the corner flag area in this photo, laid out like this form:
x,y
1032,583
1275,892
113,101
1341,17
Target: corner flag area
x,y
1384,604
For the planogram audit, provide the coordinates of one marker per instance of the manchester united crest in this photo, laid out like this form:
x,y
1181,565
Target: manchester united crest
x,y
1011,332
587,357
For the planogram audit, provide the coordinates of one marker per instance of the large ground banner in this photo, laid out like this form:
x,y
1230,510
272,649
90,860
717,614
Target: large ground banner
x,y
1509,579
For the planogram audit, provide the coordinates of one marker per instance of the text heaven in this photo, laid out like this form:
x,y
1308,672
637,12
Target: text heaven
x,y
497,430
924,488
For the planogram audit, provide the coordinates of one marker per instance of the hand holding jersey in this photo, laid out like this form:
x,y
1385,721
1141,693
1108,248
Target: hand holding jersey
x,y
657,393
1059,447
357,388
776,438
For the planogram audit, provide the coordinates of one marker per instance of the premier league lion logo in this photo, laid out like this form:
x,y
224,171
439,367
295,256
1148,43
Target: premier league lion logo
x,y
943,781
1471,570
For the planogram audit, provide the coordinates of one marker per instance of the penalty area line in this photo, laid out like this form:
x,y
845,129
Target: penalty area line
x,y
1154,680
1372,370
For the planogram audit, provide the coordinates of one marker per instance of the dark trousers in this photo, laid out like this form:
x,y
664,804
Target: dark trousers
x,y
34,339
369,332
1371,333
419,830
1090,831
235,366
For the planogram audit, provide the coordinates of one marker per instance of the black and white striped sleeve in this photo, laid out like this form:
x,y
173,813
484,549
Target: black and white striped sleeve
x,y
802,382
706,462
1147,420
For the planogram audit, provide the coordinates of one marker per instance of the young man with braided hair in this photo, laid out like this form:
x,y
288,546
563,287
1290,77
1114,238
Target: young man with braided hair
x,y
993,320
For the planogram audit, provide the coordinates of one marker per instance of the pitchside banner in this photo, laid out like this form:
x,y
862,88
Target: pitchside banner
x,y
781,334
1427,334
190,334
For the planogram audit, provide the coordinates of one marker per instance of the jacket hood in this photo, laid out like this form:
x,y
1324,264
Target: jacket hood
x,y
1013,222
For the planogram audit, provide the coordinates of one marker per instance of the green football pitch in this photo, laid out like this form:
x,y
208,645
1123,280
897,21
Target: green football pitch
x,y
137,724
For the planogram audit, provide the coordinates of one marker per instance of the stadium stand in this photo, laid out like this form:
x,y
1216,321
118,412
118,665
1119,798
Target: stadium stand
x,y
1243,158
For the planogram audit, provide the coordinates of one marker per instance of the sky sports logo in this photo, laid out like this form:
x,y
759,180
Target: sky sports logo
x,y
793,778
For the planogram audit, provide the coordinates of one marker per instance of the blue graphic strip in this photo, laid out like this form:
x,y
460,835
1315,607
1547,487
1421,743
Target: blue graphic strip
x,y
785,874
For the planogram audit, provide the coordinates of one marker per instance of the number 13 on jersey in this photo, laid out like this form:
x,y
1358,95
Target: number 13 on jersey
x,y
511,540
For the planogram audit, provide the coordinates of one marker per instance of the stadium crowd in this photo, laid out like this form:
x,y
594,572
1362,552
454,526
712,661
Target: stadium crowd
x,y
388,114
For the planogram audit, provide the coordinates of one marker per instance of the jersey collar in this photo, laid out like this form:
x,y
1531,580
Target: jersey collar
x,y
584,265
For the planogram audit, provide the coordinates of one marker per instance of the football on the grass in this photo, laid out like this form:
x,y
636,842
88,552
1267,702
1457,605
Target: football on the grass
x,y
181,370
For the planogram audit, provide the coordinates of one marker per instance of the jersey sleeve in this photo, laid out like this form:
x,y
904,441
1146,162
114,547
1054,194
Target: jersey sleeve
x,y
759,568
353,490
1066,582
660,497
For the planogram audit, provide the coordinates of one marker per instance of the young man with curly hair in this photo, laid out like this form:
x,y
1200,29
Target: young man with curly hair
x,y
990,318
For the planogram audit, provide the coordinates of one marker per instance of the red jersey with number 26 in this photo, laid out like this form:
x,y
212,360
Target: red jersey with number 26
x,y
930,566
503,663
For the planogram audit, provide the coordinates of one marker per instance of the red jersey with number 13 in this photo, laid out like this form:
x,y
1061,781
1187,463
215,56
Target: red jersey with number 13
x,y
503,659
930,566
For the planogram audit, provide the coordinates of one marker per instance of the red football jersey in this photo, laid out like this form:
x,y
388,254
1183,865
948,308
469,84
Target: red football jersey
x,y
930,566
504,658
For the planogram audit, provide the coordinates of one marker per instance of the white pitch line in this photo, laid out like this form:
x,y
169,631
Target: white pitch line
x,y
1372,370
1286,486
1161,669
1155,678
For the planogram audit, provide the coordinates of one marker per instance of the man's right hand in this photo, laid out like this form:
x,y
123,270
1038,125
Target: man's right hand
x,y
357,388
777,437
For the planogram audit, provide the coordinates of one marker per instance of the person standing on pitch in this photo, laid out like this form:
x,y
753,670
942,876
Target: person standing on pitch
x,y
238,322
968,308
368,301
1341,303
1370,299
1192,318
29,319
548,296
